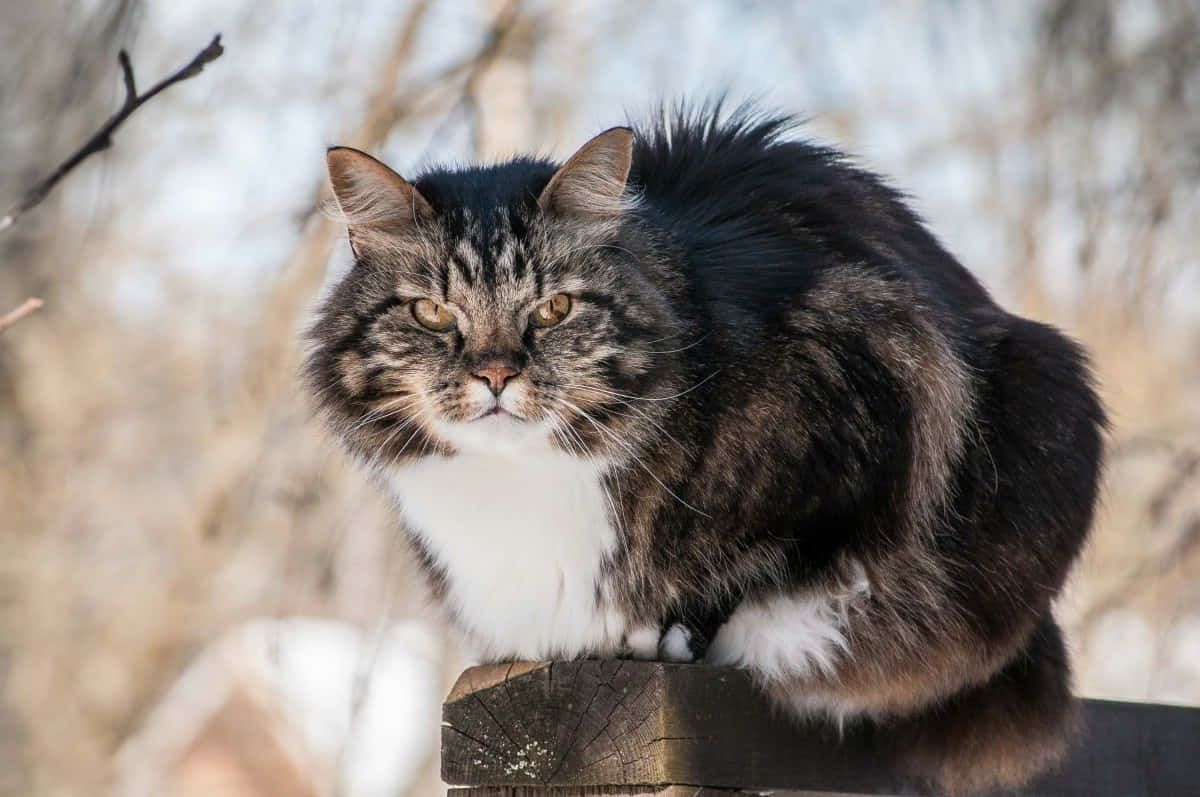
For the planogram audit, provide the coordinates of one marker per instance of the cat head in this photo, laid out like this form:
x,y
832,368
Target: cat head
x,y
494,309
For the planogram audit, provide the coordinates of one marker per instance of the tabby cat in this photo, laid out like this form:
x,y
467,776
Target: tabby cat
x,y
707,392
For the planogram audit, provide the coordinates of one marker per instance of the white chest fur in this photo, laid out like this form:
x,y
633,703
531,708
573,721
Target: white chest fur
x,y
521,541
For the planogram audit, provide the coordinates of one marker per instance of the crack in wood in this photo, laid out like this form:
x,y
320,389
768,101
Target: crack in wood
x,y
628,724
574,734
503,728
486,747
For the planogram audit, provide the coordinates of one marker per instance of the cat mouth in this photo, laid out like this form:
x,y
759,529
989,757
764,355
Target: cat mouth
x,y
498,412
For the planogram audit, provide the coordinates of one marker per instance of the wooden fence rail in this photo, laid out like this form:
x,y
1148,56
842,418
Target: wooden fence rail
x,y
646,728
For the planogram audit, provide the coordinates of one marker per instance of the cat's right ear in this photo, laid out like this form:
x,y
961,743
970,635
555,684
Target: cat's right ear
x,y
374,201
592,182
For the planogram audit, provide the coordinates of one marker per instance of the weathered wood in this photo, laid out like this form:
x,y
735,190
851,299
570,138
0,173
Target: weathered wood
x,y
566,723
630,791
554,727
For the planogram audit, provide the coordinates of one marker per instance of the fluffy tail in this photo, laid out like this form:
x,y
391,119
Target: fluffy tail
x,y
999,734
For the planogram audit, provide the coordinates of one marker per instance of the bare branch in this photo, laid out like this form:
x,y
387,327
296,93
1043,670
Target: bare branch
x,y
13,316
472,66
127,75
102,138
386,109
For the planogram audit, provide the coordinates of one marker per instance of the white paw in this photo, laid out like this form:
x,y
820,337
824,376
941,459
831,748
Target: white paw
x,y
642,642
676,645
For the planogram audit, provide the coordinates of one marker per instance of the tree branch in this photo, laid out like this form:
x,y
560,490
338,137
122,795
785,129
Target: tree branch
x,y
13,316
102,138
127,75
387,110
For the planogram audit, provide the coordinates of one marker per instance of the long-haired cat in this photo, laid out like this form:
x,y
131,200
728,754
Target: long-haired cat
x,y
706,392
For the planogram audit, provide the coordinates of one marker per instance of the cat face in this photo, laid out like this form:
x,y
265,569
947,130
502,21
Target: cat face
x,y
488,318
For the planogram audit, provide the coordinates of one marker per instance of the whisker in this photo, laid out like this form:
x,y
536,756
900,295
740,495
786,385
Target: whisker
x,y
647,398
560,429
693,344
387,410
320,393
429,282
401,427
629,449
572,433
642,413
589,247
566,429
416,431
620,498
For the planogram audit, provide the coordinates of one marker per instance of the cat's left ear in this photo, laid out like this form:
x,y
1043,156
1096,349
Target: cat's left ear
x,y
373,199
592,182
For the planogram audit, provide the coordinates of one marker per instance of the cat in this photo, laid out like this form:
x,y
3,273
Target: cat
x,y
708,392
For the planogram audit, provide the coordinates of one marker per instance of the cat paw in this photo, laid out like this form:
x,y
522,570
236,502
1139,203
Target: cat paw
x,y
676,644
643,643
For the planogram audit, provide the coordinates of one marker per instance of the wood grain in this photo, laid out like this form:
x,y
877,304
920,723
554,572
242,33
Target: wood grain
x,y
625,727
630,791
567,723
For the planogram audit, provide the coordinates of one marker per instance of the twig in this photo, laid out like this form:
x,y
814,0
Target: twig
x,y
473,68
13,316
387,109
102,138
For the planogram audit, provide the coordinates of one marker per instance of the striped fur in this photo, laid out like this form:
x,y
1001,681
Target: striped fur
x,y
778,417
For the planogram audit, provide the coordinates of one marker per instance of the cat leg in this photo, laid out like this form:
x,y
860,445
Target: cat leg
x,y
790,636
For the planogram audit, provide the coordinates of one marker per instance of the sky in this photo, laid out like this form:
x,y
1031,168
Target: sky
x,y
209,182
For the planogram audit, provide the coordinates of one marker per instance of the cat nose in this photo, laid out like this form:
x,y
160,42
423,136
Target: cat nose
x,y
496,376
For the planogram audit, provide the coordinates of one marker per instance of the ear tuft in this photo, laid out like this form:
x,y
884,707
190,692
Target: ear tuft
x,y
592,182
372,198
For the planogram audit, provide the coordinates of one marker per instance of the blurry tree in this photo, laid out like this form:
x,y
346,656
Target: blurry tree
x,y
47,105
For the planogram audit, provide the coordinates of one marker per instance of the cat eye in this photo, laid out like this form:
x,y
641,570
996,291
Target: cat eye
x,y
552,311
432,315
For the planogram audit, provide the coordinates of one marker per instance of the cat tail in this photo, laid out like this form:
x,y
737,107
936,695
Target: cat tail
x,y
999,734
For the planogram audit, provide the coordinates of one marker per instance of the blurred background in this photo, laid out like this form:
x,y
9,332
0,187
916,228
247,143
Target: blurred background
x,y
198,595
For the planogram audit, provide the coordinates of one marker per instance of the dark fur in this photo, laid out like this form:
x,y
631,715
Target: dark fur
x,y
843,391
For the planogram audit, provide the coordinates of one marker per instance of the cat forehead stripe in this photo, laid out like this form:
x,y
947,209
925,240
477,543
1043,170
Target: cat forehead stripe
x,y
487,254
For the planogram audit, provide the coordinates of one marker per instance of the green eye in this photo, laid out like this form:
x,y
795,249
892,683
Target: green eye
x,y
552,311
432,315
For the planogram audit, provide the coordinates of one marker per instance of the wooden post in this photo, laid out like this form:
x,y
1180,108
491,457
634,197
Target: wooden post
x,y
669,730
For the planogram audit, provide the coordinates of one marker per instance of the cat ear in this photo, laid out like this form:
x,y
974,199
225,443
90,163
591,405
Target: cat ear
x,y
592,182
372,198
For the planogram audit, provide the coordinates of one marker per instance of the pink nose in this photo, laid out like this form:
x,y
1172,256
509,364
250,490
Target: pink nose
x,y
496,376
